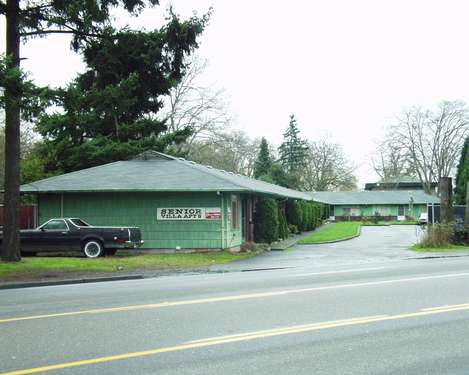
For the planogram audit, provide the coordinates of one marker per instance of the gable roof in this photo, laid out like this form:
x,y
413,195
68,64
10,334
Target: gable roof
x,y
373,197
153,172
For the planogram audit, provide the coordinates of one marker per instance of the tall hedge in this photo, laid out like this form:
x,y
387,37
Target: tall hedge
x,y
304,215
266,221
282,224
294,215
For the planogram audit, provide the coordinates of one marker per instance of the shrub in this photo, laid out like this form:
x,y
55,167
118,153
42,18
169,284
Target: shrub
x,y
266,221
316,215
282,225
294,215
304,216
438,235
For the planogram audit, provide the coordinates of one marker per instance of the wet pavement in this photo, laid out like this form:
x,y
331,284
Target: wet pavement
x,y
376,244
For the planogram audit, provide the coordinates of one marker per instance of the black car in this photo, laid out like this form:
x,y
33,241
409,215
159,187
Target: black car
x,y
73,234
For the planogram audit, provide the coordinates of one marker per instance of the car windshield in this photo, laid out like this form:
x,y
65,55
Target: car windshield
x,y
79,223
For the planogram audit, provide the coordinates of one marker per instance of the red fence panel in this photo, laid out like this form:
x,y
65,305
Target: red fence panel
x,y
27,217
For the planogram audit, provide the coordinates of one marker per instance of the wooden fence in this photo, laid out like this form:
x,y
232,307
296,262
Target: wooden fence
x,y
27,217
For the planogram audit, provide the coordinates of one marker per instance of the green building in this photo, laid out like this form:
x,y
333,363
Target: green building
x,y
178,204
386,205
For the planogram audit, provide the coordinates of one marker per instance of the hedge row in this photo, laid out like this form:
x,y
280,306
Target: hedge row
x,y
271,223
305,215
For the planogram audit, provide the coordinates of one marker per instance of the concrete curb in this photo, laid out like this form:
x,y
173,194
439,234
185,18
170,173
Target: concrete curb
x,y
33,284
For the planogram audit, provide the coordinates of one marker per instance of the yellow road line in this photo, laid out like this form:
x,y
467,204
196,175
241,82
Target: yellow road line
x,y
311,325
237,338
225,298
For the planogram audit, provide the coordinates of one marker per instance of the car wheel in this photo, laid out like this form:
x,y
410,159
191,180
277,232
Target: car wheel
x,y
93,249
110,252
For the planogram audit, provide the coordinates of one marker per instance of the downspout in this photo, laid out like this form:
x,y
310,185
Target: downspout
x,y
62,205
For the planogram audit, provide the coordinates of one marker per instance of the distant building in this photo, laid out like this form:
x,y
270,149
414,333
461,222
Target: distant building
x,y
401,183
386,205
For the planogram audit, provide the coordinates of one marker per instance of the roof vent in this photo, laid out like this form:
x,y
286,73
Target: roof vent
x,y
208,166
192,162
182,159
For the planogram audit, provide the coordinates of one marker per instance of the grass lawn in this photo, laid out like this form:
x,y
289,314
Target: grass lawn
x,y
333,232
445,249
37,267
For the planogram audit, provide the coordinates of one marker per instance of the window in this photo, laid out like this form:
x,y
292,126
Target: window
x,y
79,223
234,212
400,211
346,211
332,211
55,225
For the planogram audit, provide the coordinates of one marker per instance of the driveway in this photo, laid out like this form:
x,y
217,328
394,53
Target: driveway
x,y
374,245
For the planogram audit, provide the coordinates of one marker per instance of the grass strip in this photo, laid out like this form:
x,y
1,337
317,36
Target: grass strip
x,y
116,264
333,232
444,249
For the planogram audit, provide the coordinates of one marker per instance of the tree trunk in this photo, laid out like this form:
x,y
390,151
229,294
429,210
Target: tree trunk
x,y
446,200
11,237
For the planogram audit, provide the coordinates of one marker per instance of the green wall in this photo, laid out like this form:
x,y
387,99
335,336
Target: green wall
x,y
384,210
139,209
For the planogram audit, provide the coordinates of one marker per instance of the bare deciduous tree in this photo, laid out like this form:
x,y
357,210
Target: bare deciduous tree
x,y
202,108
327,168
390,162
431,140
233,151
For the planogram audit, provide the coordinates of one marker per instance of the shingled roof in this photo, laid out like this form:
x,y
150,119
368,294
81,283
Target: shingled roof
x,y
373,197
156,172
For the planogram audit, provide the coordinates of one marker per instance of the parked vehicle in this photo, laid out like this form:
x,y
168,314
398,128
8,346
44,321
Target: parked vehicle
x,y
73,234
423,218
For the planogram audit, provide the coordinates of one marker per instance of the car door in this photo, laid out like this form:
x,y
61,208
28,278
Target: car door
x,y
55,236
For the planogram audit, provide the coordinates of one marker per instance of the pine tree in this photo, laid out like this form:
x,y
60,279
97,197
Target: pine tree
x,y
293,150
87,22
263,163
110,111
462,175
83,20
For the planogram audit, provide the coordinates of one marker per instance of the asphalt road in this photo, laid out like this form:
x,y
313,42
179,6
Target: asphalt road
x,y
403,316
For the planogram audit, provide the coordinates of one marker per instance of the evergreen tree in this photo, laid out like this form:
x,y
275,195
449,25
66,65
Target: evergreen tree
x,y
84,20
109,112
293,150
282,224
266,224
462,175
89,24
263,163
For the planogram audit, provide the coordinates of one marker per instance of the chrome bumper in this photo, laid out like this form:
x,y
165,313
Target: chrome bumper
x,y
133,245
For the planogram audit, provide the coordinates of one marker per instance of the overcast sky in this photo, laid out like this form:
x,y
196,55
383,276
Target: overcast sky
x,y
344,68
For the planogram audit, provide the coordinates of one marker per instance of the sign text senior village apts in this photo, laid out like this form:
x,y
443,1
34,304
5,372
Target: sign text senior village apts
x,y
188,213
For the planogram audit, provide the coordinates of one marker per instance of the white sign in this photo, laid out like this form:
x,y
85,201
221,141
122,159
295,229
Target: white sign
x,y
180,213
